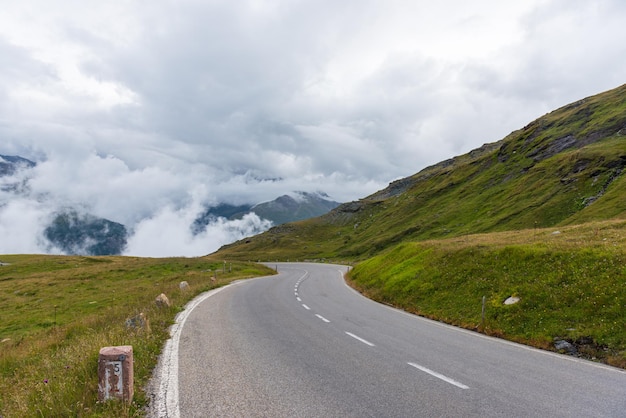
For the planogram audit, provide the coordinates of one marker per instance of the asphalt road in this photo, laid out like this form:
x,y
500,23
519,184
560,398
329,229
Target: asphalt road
x,y
303,344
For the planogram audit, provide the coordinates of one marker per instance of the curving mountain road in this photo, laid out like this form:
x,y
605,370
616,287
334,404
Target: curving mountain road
x,y
303,344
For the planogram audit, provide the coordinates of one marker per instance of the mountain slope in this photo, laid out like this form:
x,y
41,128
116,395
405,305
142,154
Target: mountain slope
x,y
9,164
68,231
563,168
86,234
286,208
301,206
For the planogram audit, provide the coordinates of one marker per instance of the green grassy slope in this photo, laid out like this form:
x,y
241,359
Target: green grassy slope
x,y
537,215
563,168
569,284
58,311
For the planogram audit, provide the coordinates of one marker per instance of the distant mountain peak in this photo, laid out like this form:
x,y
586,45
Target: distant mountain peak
x,y
10,164
296,207
291,207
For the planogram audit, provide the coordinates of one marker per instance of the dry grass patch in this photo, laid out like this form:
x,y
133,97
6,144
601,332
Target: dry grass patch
x,y
57,312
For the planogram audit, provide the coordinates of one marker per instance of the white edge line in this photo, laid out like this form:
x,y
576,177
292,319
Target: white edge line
x,y
166,404
356,337
306,307
439,376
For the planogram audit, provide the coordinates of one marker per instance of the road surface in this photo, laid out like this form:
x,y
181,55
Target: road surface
x,y
303,344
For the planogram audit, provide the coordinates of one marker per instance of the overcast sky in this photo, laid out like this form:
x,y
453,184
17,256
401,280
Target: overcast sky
x,y
140,111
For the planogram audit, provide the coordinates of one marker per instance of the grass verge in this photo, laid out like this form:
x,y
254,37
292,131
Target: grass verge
x,y
570,285
57,312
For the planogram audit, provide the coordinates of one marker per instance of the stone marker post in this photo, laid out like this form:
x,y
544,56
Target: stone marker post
x,y
115,373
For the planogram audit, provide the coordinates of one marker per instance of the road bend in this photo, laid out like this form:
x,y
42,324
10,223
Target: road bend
x,y
304,344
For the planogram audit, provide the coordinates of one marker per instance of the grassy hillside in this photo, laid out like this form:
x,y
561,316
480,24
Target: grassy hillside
x,y
57,312
569,283
564,168
537,215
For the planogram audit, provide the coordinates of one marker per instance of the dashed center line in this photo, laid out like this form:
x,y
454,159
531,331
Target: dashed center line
x,y
322,318
356,337
439,376
364,341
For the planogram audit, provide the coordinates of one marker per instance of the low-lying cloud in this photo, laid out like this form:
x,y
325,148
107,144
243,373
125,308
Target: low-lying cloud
x,y
22,222
137,113
157,207
168,233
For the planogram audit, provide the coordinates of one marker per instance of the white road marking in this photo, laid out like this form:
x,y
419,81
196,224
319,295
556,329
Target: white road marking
x,y
298,299
439,376
356,337
167,403
322,318
306,307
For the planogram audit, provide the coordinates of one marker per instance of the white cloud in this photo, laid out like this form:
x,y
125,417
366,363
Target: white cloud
x,y
21,227
168,233
132,107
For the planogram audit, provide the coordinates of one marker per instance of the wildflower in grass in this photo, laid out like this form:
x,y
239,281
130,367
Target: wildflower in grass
x,y
45,381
